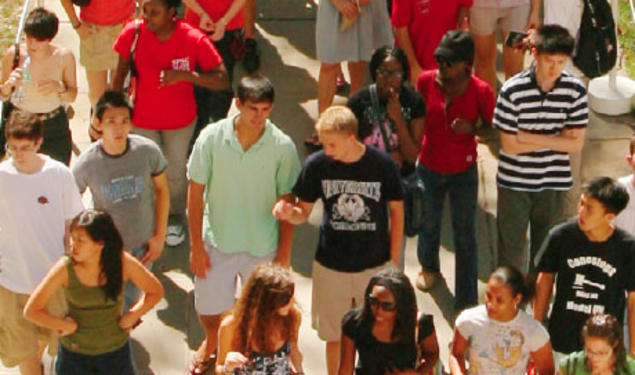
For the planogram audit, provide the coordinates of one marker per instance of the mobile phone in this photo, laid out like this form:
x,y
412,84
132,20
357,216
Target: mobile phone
x,y
515,39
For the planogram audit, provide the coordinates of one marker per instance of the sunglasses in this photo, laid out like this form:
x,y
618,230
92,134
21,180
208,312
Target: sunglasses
x,y
386,306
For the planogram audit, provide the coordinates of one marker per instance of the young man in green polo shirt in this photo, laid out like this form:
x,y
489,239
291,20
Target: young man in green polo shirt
x,y
239,168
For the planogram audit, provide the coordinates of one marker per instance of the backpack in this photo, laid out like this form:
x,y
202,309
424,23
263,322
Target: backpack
x,y
596,50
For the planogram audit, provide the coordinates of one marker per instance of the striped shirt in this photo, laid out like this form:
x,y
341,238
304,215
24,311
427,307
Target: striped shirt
x,y
522,105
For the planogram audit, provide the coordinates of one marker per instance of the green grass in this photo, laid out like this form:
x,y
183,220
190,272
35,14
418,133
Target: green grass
x,y
627,37
9,17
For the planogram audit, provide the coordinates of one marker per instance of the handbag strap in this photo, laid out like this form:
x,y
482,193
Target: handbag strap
x,y
16,56
133,46
374,99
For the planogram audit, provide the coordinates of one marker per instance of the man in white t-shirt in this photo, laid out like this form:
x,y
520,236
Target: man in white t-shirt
x,y
38,199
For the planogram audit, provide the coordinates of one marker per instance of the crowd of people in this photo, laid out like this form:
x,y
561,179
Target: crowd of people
x,y
166,155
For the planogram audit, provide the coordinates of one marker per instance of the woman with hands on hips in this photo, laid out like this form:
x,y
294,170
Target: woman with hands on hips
x,y
92,276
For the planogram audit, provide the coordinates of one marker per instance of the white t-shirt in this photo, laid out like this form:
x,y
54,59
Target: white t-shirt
x,y
33,211
626,218
500,348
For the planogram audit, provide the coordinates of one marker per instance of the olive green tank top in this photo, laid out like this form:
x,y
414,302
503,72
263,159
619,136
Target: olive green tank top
x,y
97,318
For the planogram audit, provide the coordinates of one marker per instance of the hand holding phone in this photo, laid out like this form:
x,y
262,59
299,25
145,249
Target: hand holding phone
x,y
515,39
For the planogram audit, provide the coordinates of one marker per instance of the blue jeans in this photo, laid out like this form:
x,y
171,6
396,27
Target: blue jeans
x,y
131,292
462,188
117,362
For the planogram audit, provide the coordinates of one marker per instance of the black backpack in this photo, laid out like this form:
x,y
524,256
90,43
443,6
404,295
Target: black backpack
x,y
596,51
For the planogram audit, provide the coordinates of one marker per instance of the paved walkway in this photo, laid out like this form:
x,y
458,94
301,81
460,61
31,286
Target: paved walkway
x,y
164,342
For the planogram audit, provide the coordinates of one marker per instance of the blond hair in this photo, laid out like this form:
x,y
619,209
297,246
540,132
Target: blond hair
x,y
337,118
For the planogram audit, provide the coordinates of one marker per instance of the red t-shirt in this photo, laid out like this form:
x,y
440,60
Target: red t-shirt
x,y
216,9
427,21
442,150
171,106
107,12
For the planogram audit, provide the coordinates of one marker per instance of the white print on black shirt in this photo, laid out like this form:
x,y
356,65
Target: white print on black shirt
x,y
585,288
349,212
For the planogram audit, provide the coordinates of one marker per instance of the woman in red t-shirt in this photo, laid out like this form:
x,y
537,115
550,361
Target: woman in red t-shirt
x,y
166,58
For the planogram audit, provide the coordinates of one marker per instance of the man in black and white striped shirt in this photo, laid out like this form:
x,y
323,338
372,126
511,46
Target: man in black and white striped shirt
x,y
542,115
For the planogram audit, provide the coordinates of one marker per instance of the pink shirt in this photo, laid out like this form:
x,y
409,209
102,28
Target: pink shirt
x,y
442,150
107,12
427,21
172,106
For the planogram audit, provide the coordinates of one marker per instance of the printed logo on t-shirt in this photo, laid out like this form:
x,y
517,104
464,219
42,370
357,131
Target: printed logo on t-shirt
x,y
182,64
42,200
422,6
585,290
504,353
123,188
349,212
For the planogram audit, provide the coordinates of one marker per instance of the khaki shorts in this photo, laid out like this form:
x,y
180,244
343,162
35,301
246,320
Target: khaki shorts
x,y
19,337
485,20
334,294
96,52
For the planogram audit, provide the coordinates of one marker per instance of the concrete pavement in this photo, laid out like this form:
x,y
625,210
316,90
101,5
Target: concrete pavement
x,y
164,342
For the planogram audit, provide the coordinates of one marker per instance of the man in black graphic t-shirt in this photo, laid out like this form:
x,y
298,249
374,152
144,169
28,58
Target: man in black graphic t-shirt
x,y
595,266
361,191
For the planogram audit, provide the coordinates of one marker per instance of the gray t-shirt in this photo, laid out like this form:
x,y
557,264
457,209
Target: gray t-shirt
x,y
122,185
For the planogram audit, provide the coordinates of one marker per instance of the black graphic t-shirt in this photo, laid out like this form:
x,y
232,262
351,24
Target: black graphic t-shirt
x,y
591,277
412,106
354,230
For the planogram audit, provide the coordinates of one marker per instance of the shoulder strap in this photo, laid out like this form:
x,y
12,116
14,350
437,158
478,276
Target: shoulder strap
x,y
16,56
374,99
137,27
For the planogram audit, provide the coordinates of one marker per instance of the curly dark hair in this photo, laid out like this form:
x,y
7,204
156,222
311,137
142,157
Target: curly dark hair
x,y
268,288
100,228
406,318
605,326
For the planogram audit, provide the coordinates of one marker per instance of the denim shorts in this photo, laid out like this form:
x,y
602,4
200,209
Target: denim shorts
x,y
117,362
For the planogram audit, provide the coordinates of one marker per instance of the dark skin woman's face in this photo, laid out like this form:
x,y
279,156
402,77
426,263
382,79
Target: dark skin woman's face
x,y
389,76
157,15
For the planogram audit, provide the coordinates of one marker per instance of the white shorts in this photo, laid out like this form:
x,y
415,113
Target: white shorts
x,y
486,20
216,293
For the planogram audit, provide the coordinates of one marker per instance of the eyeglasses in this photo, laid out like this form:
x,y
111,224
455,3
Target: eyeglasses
x,y
390,74
386,306
444,61
604,353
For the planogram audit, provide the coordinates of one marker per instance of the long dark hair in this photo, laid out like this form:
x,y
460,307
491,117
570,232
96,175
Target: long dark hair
x,y
406,318
100,228
268,288
606,327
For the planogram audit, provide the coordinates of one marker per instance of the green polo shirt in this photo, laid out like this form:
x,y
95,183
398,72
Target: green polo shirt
x,y
241,187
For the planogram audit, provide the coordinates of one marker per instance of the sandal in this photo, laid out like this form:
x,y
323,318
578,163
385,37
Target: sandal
x,y
199,367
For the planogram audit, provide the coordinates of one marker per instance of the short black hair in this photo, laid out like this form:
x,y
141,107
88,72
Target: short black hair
x,y
554,39
607,191
23,125
112,99
255,88
171,3
41,24
381,54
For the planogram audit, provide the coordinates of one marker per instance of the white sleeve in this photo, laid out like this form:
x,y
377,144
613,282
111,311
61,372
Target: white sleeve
x,y
72,204
465,323
538,335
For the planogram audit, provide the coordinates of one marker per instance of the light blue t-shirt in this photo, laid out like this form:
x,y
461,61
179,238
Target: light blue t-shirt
x,y
241,187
